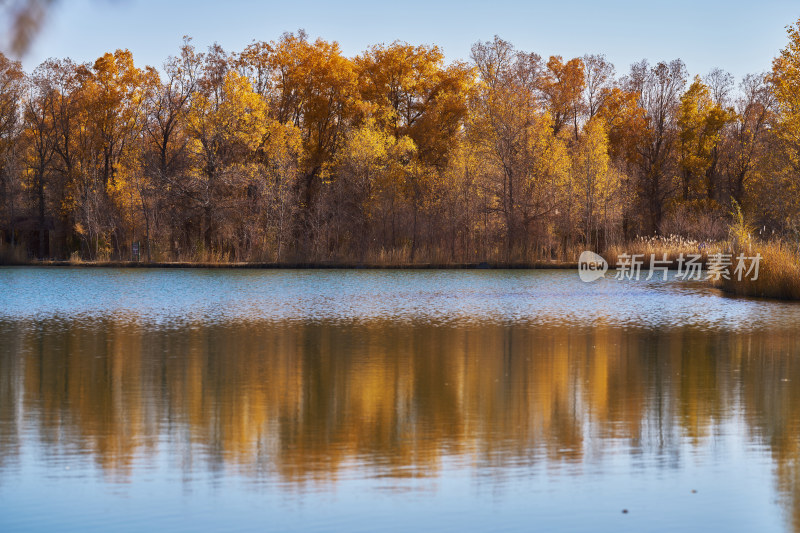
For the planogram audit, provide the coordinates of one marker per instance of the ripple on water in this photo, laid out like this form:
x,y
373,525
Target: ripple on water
x,y
177,298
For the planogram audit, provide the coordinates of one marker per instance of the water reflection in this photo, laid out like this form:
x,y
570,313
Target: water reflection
x,y
307,402
308,406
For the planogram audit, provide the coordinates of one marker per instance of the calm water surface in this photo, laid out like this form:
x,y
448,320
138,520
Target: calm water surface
x,y
393,401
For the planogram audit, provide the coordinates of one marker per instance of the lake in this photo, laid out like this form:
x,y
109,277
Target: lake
x,y
359,400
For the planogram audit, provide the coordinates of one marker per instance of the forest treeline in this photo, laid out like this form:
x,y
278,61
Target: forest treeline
x,y
290,151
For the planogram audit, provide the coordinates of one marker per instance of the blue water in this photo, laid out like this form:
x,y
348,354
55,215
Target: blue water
x,y
350,400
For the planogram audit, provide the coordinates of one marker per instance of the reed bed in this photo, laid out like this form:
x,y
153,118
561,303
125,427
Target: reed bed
x,y
778,273
779,266
671,246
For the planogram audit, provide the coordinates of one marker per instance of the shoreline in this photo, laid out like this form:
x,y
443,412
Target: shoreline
x,y
329,265
324,265
536,265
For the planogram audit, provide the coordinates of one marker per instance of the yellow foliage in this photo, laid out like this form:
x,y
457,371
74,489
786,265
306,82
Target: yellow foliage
x,y
700,123
230,126
786,87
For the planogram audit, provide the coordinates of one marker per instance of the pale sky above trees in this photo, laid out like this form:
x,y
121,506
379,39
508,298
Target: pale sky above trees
x,y
738,36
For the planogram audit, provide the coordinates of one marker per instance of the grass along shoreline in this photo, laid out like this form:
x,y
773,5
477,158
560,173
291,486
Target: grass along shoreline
x,y
540,265
779,268
778,276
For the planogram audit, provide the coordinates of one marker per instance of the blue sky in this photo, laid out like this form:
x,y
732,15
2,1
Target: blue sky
x,y
738,36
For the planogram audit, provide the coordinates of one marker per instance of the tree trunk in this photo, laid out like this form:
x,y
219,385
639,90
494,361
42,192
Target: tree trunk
x,y
40,198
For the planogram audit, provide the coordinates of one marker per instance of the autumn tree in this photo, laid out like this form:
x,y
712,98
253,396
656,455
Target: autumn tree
x,y
748,141
658,90
166,106
410,93
720,84
624,123
513,135
115,98
414,94
165,151
110,117
598,77
785,81
39,136
227,125
596,186
316,90
370,168
280,154
700,122
562,86
12,84
67,105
